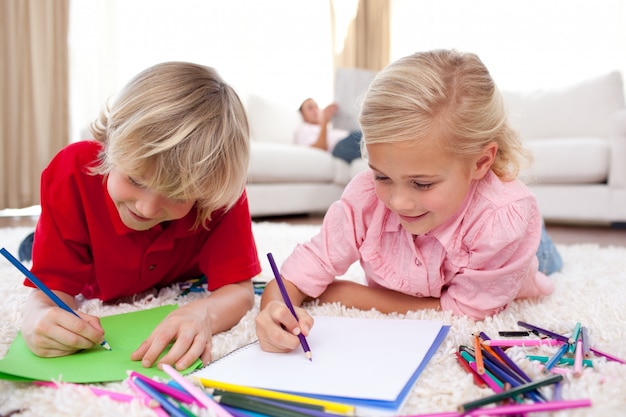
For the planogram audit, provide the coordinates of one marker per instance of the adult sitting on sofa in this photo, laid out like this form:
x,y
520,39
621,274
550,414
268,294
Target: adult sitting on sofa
x,y
317,132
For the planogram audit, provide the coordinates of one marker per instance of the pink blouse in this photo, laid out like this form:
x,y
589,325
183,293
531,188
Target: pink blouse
x,y
476,263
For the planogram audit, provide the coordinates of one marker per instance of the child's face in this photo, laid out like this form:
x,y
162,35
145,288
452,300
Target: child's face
x,y
140,208
422,184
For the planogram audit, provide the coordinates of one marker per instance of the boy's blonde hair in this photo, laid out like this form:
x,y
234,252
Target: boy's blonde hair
x,y
442,91
181,131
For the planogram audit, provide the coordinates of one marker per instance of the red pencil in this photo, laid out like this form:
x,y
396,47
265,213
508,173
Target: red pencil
x,y
477,379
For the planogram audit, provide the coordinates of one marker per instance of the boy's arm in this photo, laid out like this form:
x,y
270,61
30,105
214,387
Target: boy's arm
x,y
50,331
191,327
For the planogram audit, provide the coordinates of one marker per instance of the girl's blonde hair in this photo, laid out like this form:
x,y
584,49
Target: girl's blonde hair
x,y
442,91
181,131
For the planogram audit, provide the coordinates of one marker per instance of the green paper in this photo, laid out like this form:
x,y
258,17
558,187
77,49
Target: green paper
x,y
124,332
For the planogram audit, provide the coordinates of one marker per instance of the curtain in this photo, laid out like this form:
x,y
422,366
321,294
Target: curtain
x,y
364,39
34,120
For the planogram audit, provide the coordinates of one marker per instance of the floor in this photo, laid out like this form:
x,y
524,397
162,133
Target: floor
x,y
561,233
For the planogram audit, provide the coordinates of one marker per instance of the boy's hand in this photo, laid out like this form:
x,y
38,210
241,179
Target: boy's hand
x,y
49,331
277,329
189,328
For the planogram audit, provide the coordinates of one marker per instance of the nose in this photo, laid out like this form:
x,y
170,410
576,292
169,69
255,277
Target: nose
x,y
402,201
148,204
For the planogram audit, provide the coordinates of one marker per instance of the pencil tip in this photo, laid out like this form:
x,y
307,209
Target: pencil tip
x,y
106,345
309,356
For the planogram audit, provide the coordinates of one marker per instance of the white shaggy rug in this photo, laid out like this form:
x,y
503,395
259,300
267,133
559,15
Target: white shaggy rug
x,y
590,289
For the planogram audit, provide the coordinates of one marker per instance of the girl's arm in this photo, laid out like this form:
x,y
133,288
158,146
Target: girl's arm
x,y
355,295
276,327
192,326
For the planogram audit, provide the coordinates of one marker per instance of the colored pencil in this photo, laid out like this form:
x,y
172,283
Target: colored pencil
x,y
171,408
555,370
521,389
499,353
514,333
331,406
196,392
165,389
548,333
508,375
259,406
606,355
490,380
43,288
574,338
578,359
584,336
563,361
516,409
465,364
158,410
555,358
282,405
522,342
217,392
285,295
478,355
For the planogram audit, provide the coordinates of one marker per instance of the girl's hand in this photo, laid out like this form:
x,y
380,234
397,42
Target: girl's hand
x,y
189,328
277,329
49,331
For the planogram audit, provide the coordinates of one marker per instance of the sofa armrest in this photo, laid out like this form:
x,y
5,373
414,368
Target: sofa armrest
x,y
617,137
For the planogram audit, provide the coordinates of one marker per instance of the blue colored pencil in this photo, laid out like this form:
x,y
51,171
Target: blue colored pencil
x,y
37,282
171,408
285,295
555,358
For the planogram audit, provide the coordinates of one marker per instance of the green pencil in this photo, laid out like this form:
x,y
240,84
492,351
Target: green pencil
x,y
521,389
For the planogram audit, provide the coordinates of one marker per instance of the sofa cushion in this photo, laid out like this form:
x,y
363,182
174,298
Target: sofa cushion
x,y
568,160
270,121
278,163
582,109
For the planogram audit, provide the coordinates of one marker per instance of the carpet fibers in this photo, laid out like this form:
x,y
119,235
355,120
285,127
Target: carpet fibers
x,y
590,290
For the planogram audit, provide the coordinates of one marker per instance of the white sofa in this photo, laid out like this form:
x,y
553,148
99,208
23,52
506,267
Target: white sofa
x,y
577,135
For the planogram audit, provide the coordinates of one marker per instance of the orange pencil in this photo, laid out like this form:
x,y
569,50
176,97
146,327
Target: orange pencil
x,y
478,355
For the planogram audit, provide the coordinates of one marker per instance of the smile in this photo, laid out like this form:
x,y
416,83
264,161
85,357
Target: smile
x,y
410,219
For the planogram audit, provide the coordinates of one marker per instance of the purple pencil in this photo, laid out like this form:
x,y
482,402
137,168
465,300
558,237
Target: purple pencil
x,y
530,408
285,295
548,333
607,355
502,355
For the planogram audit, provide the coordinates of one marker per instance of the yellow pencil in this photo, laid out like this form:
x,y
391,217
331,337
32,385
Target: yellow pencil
x,y
329,406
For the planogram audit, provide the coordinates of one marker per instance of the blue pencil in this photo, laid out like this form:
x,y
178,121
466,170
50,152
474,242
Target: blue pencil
x,y
283,292
32,278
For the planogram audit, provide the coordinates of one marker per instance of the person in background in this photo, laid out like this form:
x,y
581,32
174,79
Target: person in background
x,y
440,221
158,197
316,132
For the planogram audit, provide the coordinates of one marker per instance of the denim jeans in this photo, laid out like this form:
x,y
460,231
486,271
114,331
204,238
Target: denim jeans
x,y
549,258
349,148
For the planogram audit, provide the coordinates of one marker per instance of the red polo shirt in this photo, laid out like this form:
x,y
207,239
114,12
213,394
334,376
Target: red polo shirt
x,y
81,245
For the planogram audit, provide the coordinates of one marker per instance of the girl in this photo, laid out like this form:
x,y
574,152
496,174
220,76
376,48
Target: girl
x,y
157,198
439,222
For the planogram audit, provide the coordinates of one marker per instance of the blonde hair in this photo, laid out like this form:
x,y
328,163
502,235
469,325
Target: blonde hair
x,y
182,131
442,91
